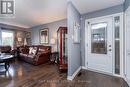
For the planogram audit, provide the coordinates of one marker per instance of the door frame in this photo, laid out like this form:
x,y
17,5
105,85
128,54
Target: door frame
x,y
121,44
125,62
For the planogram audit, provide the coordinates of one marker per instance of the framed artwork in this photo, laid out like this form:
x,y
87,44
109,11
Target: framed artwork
x,y
44,36
76,32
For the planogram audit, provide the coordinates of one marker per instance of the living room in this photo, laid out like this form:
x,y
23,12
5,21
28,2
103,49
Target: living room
x,y
64,43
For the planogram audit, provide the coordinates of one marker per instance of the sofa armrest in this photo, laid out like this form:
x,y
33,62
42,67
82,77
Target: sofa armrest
x,y
42,56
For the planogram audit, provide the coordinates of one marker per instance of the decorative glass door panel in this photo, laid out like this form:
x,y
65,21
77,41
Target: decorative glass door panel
x,y
99,38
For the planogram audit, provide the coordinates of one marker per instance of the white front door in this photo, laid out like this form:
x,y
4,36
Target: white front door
x,y
100,44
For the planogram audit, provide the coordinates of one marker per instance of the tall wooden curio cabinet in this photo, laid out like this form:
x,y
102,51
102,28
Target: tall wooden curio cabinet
x,y
62,48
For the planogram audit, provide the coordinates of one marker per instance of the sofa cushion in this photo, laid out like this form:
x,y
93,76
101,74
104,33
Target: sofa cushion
x,y
23,54
31,56
43,50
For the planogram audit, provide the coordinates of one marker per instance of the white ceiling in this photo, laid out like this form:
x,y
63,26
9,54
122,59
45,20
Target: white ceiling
x,y
29,13
85,6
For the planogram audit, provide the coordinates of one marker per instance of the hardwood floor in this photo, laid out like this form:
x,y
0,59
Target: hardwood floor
x,y
23,74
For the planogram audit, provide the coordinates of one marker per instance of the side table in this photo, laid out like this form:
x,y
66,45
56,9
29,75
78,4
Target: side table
x,y
54,57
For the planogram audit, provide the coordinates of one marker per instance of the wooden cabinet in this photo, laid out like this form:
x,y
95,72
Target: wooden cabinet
x,y
62,48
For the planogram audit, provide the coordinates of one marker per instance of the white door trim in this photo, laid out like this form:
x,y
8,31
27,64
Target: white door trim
x,y
121,43
125,46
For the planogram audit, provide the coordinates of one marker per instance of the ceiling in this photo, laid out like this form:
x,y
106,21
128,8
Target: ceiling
x,y
85,6
29,13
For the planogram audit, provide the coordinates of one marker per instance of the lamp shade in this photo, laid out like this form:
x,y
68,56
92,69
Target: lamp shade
x,y
25,41
52,41
19,39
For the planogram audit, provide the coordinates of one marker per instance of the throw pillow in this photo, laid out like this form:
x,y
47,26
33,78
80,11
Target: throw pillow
x,y
32,50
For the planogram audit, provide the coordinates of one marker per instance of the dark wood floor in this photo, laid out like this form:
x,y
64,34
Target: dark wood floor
x,y
23,74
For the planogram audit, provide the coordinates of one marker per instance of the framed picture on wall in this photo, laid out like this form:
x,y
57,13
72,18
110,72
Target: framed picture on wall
x,y
44,36
76,32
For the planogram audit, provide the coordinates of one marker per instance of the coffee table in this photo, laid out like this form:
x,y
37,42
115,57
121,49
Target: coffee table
x,y
6,58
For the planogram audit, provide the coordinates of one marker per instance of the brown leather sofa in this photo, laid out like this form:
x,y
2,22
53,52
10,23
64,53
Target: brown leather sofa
x,y
5,49
40,56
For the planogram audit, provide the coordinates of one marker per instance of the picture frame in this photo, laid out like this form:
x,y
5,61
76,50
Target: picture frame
x,y
44,36
76,33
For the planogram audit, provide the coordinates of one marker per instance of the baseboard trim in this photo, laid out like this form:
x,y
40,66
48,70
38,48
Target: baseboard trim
x,y
74,74
83,67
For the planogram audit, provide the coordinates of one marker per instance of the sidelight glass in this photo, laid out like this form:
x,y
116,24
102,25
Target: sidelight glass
x,y
117,44
99,38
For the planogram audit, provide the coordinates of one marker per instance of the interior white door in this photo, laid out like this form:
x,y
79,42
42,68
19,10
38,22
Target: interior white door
x,y
128,44
100,44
